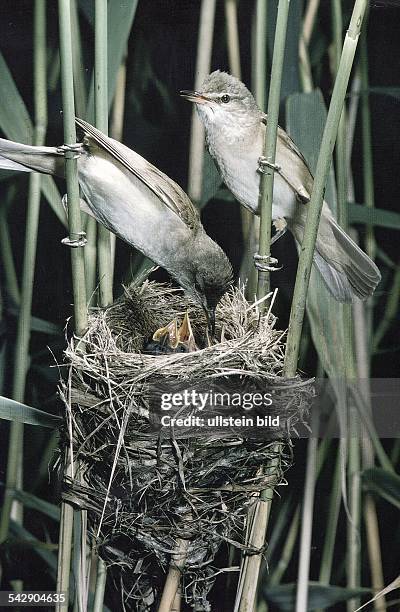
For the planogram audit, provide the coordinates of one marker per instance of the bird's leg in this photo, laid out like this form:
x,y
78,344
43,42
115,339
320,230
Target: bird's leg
x,y
70,240
186,336
263,163
266,263
169,334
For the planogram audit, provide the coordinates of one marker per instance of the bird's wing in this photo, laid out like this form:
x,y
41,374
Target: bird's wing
x,y
294,168
159,183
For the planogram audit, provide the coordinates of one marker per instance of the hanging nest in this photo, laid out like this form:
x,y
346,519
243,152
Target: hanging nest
x,y
151,491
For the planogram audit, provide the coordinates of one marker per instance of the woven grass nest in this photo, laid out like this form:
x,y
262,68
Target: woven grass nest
x,y
145,490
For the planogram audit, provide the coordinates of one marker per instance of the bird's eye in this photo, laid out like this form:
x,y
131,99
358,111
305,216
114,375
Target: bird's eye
x,y
225,98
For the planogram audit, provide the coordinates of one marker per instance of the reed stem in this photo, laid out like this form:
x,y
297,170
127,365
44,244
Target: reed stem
x,y
248,593
267,177
14,476
203,64
317,196
101,121
77,259
233,46
260,60
307,520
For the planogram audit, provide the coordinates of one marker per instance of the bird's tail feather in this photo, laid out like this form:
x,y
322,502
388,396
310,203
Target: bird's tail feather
x,y
346,270
27,158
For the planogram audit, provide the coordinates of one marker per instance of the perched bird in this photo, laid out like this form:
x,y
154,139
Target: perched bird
x,y
235,131
141,205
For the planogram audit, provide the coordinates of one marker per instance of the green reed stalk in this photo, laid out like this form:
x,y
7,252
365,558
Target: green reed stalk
x,y
77,258
103,235
232,34
340,148
260,59
317,196
203,63
307,516
90,251
267,178
233,48
259,85
14,476
101,121
248,587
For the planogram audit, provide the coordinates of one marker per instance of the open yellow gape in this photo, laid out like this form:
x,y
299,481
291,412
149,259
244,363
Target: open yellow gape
x,y
172,337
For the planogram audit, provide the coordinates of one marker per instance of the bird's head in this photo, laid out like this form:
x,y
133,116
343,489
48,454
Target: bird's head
x,y
224,101
210,277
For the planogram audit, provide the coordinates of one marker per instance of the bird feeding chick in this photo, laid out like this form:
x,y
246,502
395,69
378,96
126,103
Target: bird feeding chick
x,y
141,205
235,133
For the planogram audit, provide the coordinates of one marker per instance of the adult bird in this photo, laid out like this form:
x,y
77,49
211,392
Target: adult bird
x,y
141,205
235,132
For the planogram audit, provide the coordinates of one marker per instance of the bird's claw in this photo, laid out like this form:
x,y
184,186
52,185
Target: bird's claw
x,y
266,263
263,163
74,243
72,151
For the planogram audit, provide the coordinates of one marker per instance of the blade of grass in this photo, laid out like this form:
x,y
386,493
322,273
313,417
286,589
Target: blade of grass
x,y
14,477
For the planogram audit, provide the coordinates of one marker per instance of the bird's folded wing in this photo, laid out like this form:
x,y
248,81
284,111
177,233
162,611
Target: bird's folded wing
x,y
293,167
159,183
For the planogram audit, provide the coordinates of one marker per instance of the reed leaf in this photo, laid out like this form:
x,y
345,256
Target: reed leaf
x,y
384,483
359,213
120,16
35,503
40,548
11,410
320,596
324,313
17,125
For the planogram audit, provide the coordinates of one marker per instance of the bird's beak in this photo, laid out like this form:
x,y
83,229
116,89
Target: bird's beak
x,y
193,96
210,314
